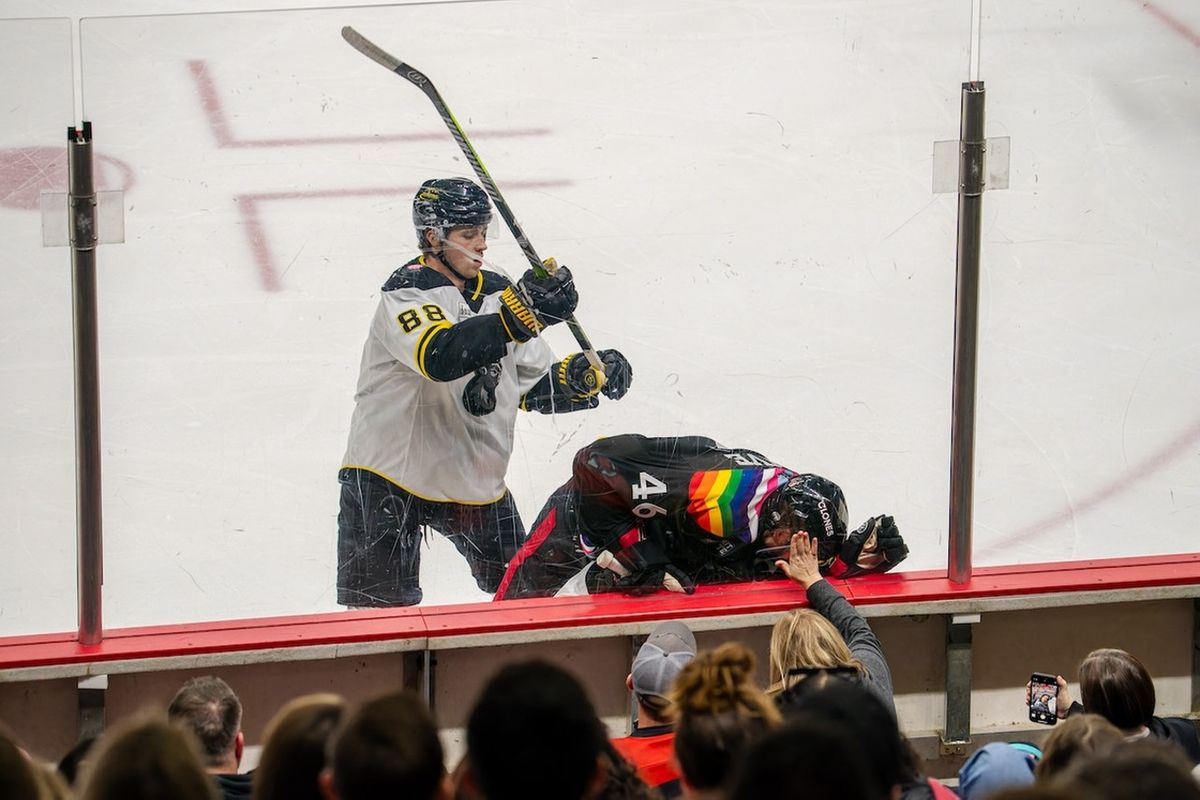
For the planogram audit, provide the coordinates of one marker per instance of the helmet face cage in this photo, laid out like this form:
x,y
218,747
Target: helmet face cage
x,y
445,203
811,504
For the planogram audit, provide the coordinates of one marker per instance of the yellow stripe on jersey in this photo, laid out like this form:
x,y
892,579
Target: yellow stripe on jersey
x,y
423,345
397,483
478,286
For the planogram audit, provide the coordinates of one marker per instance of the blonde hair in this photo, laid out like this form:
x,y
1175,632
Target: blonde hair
x,y
804,638
719,711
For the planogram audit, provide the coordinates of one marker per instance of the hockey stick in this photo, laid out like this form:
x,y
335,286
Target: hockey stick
x,y
595,377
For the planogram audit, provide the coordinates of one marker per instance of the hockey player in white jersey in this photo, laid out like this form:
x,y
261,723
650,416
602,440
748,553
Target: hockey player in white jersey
x,y
453,352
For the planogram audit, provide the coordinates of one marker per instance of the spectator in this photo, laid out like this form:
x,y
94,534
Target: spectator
x,y
1036,792
533,734
208,707
148,758
1080,736
388,748
995,766
17,773
808,758
1137,770
621,779
650,746
894,770
1118,687
831,634
294,746
719,713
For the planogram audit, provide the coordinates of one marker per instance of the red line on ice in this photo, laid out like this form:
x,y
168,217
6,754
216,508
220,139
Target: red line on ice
x,y
1174,23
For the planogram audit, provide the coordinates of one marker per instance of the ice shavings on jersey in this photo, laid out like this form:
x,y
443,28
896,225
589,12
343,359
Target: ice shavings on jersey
x,y
728,502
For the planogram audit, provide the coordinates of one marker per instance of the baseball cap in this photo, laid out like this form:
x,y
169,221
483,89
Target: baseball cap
x,y
668,649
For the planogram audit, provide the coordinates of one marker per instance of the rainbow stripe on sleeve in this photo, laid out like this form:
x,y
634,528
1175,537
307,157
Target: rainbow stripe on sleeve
x,y
727,502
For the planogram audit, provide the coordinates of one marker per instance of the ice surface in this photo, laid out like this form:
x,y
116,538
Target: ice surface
x,y
743,193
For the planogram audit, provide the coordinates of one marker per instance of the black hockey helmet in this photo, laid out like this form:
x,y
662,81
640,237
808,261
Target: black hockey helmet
x,y
811,504
444,203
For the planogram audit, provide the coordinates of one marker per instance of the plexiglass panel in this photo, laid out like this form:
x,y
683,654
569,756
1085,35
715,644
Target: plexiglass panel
x,y
743,194
37,570
1089,425
37,575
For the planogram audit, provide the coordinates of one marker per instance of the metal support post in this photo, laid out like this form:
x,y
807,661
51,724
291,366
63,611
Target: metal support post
x,y
957,735
971,176
82,213
91,696
1196,655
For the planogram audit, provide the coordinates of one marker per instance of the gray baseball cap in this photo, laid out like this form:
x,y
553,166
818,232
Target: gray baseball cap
x,y
667,651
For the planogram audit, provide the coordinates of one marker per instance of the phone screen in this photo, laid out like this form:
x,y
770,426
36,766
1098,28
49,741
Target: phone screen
x,y
1043,693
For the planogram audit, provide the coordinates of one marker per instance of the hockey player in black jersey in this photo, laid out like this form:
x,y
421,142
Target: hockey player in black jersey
x,y
640,514
454,351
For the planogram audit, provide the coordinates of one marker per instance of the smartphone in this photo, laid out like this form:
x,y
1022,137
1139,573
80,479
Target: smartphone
x,y
1043,695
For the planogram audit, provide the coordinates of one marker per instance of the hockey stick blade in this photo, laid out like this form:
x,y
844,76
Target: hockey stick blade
x,y
371,50
389,62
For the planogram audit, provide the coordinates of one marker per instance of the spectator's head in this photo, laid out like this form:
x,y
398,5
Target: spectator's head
x,y
659,660
533,734
804,638
808,758
1077,737
1145,768
208,708
294,747
389,747
17,773
995,766
870,723
719,712
148,758
1117,686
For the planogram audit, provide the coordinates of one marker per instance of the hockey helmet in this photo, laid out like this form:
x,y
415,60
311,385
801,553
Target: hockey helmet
x,y
811,504
444,203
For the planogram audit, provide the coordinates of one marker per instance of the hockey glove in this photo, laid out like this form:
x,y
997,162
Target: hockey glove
x,y
575,377
875,546
649,570
479,395
618,374
554,297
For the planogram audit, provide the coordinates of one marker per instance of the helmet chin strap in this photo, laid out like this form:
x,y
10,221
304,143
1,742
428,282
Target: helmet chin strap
x,y
440,255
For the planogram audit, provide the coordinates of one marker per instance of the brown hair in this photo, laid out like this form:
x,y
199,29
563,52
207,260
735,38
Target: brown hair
x,y
148,758
1080,736
720,711
1118,687
208,707
294,747
804,638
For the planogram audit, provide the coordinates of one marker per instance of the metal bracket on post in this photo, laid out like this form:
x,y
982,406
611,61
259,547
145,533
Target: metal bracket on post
x,y
91,695
956,738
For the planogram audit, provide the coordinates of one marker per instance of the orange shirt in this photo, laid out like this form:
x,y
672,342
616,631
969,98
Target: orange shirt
x,y
651,750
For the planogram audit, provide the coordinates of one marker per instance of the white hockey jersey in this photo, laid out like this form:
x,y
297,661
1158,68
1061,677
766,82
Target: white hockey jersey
x,y
413,430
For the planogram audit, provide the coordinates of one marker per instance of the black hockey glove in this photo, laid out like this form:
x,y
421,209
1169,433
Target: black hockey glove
x,y
618,374
479,395
576,378
649,570
554,297
875,546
